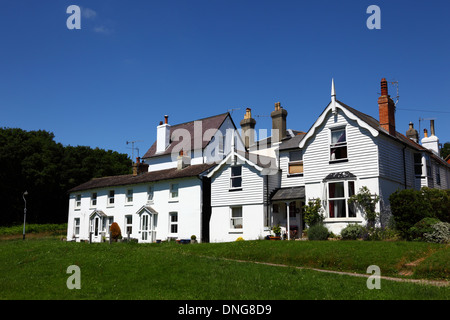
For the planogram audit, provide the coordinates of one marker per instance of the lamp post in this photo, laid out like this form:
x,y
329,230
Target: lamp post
x,y
24,212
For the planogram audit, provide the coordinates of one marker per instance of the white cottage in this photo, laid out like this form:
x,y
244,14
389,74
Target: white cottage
x,y
167,196
240,189
346,149
150,206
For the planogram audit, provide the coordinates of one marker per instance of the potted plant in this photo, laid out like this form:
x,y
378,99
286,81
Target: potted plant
x,y
277,231
193,239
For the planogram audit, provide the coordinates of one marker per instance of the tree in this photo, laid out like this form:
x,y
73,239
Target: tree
x,y
32,161
445,151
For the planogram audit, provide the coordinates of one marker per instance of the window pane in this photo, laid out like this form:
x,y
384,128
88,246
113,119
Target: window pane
x,y
236,171
236,212
296,168
337,208
338,136
351,188
338,153
336,190
236,182
295,156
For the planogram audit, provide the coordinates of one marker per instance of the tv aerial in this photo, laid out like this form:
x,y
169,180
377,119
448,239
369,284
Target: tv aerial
x,y
133,148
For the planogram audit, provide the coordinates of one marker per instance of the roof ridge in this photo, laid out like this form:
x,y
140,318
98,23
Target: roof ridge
x,y
187,122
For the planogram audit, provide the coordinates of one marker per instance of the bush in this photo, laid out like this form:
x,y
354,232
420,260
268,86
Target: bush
x,y
408,207
352,232
417,231
318,232
440,233
313,212
115,231
439,201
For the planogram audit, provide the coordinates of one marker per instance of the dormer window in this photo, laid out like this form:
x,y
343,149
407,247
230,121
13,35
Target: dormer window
x,y
338,146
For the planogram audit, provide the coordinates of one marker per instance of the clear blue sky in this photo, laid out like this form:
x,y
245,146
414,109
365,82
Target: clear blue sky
x,y
134,61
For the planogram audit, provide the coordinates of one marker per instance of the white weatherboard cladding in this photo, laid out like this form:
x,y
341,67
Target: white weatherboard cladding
x,y
286,179
391,159
252,187
361,148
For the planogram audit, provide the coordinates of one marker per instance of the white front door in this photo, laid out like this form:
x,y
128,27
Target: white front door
x,y
96,228
146,234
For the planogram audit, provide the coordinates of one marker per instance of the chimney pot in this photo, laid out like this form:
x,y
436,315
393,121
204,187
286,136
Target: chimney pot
x,y
425,133
384,87
432,127
166,119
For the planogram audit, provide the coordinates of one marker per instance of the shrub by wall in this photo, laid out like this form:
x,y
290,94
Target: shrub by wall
x,y
408,207
318,232
417,231
352,232
115,231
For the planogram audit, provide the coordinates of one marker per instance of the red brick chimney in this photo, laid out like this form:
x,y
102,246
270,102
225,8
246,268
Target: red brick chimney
x,y
386,108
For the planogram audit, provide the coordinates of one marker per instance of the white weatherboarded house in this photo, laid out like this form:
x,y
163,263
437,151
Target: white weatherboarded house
x,y
346,149
240,188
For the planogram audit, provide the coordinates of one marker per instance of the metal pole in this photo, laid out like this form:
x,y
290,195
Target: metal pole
x,y
288,222
24,213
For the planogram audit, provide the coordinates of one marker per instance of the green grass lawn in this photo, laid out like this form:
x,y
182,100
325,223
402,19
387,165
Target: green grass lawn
x,y
36,269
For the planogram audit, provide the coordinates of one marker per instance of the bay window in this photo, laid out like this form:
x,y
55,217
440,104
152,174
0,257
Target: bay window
x,y
338,194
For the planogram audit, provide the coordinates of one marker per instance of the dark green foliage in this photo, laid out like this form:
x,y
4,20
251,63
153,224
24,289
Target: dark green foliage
x,y
408,207
417,231
313,212
318,232
33,161
439,201
411,206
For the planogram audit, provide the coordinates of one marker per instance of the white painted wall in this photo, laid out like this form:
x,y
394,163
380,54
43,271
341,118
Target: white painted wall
x,y
253,224
188,206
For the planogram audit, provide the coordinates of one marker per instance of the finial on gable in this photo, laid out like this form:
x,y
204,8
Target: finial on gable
x,y
333,97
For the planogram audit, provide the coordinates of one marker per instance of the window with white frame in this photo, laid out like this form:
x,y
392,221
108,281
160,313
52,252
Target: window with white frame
x,y
295,162
78,201
173,222
174,190
76,226
236,221
129,224
236,177
338,146
111,195
93,199
338,194
129,195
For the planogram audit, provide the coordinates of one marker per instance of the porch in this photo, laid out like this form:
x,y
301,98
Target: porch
x,y
286,210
